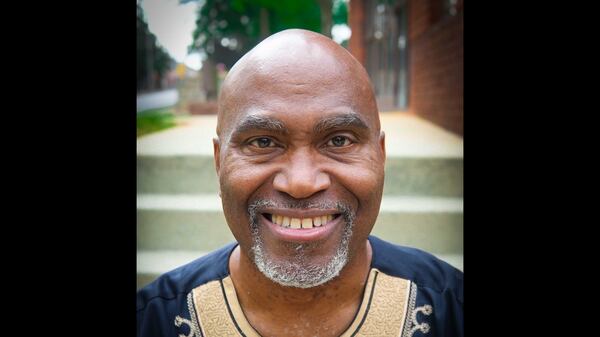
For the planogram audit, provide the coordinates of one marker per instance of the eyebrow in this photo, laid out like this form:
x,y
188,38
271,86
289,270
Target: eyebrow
x,y
270,124
345,120
254,122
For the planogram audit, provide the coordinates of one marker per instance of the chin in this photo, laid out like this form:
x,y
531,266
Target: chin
x,y
302,264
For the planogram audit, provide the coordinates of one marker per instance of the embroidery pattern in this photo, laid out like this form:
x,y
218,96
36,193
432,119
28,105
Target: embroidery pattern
x,y
411,308
213,315
412,325
391,310
387,313
192,311
424,327
179,321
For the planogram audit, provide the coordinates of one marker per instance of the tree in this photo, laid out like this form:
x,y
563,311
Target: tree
x,y
227,29
153,61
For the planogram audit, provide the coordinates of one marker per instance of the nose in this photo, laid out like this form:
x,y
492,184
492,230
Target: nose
x,y
301,176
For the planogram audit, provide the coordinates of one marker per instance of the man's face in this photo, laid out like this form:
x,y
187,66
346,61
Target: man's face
x,y
300,147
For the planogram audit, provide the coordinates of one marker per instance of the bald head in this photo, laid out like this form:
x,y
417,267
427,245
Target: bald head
x,y
296,66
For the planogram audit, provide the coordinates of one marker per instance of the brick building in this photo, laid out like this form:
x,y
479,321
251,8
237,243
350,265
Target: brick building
x,y
413,51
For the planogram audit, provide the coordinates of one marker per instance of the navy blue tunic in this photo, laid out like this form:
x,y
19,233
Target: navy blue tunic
x,y
409,293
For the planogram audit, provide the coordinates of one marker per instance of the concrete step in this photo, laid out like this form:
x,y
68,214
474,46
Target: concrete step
x,y
196,222
190,174
151,264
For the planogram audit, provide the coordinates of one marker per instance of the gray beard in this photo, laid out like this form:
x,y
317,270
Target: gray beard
x,y
299,272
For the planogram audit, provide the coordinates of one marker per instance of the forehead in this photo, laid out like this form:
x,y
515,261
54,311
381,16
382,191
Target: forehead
x,y
296,75
296,107
295,96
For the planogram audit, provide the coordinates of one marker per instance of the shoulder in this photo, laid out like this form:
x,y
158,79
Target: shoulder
x,y
422,268
180,281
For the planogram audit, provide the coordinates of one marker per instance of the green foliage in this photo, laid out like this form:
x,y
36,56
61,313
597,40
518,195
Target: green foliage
x,y
240,21
154,120
340,12
162,61
150,56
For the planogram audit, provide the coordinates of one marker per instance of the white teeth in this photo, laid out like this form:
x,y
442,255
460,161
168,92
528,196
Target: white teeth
x,y
317,221
298,223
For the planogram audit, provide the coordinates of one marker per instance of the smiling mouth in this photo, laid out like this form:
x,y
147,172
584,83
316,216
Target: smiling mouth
x,y
300,223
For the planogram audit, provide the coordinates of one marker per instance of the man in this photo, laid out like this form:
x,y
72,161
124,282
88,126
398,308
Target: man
x,y
300,159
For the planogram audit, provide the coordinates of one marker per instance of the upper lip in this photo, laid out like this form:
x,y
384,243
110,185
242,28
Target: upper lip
x,y
301,213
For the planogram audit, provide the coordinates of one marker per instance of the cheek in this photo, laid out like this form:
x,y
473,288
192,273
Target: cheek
x,y
363,175
239,180
365,181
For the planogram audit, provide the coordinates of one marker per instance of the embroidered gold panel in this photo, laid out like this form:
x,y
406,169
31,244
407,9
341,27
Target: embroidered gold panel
x,y
383,311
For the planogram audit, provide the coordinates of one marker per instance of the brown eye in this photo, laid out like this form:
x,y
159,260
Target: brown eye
x,y
339,141
262,142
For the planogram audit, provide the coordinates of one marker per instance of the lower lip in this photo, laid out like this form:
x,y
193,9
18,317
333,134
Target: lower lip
x,y
302,235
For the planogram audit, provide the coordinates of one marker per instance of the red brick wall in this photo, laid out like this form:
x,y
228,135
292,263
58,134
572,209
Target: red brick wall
x,y
356,19
436,63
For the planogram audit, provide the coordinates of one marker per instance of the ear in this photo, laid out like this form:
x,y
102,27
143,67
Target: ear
x,y
382,144
217,154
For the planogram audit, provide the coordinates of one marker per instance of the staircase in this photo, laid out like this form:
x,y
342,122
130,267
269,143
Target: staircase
x,y
179,214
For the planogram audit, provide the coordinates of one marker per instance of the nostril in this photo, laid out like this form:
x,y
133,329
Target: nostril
x,y
301,182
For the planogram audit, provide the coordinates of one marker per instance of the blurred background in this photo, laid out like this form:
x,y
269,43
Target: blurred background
x,y
413,52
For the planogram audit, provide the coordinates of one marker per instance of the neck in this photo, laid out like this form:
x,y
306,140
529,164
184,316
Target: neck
x,y
262,298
